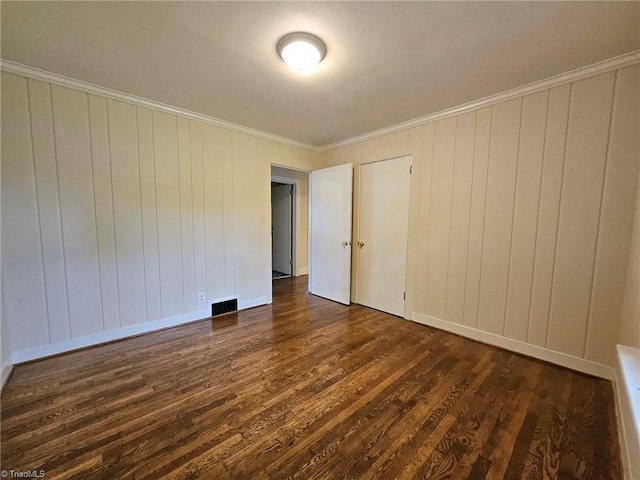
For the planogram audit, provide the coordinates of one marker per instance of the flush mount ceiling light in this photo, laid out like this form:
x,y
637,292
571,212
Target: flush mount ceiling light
x,y
302,52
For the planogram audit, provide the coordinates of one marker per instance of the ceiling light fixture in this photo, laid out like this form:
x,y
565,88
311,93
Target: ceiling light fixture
x,y
302,52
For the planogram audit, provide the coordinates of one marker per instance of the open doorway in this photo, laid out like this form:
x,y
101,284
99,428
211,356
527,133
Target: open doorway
x,y
282,229
289,222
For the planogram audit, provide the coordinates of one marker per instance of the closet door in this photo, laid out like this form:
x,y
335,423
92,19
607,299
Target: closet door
x,y
383,230
330,205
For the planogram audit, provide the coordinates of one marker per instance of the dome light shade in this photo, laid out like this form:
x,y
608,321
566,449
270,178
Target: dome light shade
x,y
302,52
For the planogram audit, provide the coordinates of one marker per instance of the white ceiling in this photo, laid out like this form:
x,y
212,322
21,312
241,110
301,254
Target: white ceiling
x,y
386,62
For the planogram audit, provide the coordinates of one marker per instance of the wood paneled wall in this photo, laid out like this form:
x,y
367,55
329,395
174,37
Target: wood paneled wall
x,y
114,214
521,213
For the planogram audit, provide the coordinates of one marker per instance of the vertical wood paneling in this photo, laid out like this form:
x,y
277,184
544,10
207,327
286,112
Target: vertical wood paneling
x,y
476,215
168,204
105,225
331,157
460,210
264,200
587,137
501,180
391,146
420,283
186,216
415,147
242,215
71,127
616,218
440,216
367,152
254,189
214,211
46,175
149,213
229,211
24,297
138,211
123,141
199,240
281,154
548,210
525,215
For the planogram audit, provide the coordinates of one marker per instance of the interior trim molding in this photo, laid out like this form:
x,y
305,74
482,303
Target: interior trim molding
x,y
56,79
541,353
615,63
628,408
7,368
619,394
43,351
253,302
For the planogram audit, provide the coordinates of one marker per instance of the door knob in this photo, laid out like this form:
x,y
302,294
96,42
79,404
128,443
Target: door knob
x,y
361,244
346,243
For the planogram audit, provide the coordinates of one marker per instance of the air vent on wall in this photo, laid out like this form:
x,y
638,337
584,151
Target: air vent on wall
x,y
224,307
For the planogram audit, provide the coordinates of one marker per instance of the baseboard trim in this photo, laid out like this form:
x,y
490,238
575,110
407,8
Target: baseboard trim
x,y
628,409
7,368
43,351
302,271
558,358
254,302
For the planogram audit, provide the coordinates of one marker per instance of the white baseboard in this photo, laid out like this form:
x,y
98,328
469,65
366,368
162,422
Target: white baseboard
x,y
43,351
628,408
562,359
7,368
254,302
302,271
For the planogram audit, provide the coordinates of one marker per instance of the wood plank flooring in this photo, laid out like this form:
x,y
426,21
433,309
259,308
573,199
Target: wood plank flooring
x,y
306,388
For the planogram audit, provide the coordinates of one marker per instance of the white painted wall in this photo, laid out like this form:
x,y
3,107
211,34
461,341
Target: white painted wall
x,y
115,215
521,213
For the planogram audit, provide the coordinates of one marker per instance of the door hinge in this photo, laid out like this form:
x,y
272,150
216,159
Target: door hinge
x,y
410,169
290,262
291,191
405,295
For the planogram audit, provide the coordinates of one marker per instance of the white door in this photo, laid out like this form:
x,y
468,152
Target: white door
x,y
281,225
330,197
383,230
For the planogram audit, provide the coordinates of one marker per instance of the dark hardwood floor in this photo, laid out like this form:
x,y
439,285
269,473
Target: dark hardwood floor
x,y
306,388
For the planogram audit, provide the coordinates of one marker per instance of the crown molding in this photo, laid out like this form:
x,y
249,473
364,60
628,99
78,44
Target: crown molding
x,y
56,79
581,73
615,63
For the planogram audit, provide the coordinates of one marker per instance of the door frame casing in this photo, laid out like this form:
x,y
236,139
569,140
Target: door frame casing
x,y
294,221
